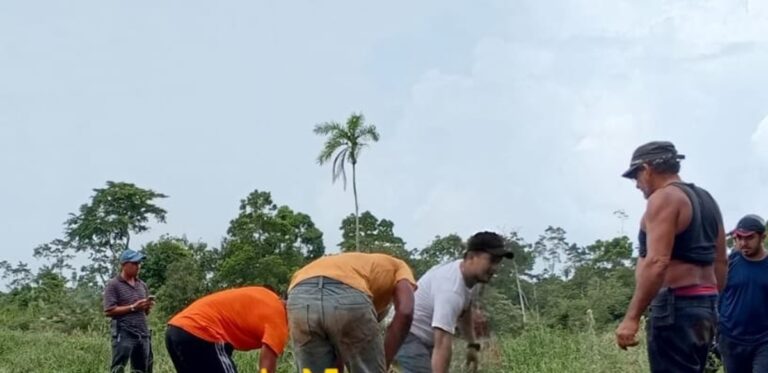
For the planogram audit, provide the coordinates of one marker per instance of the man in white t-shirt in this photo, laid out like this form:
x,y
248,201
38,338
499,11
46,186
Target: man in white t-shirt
x,y
442,303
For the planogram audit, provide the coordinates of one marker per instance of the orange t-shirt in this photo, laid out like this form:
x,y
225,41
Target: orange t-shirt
x,y
373,274
245,317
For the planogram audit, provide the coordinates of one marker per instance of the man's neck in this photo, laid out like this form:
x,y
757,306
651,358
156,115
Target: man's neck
x,y
127,278
761,254
469,282
665,180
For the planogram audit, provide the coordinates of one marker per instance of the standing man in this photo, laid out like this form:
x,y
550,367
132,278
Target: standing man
x,y
743,331
443,304
335,304
202,337
127,302
682,264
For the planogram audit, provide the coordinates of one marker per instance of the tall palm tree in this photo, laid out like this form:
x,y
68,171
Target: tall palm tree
x,y
346,141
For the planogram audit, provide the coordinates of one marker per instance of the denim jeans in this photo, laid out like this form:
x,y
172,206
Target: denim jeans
x,y
680,332
331,321
747,358
414,356
128,346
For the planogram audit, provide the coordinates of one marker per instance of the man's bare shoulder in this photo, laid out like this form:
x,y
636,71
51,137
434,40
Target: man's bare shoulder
x,y
666,199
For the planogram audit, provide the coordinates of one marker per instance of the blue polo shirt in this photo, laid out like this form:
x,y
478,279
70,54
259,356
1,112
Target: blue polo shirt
x,y
744,301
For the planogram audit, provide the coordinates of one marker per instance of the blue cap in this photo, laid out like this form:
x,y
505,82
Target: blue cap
x,y
131,256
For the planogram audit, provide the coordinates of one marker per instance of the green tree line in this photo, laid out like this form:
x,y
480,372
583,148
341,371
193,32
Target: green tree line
x,y
550,281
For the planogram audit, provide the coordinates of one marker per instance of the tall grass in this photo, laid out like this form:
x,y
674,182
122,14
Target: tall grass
x,y
535,350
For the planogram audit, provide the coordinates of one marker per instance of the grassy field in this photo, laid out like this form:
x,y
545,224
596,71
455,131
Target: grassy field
x,y
537,350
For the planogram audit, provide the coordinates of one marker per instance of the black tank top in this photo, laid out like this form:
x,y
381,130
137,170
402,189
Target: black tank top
x,y
697,243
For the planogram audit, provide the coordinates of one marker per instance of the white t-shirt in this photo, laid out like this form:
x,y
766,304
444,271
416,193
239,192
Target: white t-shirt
x,y
441,298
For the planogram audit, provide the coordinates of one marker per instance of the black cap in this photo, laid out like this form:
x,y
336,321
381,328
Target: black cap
x,y
491,243
652,151
749,224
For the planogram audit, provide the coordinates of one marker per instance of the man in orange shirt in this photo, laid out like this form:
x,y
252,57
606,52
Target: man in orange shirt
x,y
335,304
201,337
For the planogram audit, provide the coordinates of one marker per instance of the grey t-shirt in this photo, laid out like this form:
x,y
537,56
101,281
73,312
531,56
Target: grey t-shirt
x,y
441,297
119,292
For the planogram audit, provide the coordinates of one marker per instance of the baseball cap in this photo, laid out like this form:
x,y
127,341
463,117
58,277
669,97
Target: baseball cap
x,y
131,256
652,151
749,224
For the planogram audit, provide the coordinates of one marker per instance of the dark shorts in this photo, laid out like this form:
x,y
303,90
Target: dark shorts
x,y
191,354
680,332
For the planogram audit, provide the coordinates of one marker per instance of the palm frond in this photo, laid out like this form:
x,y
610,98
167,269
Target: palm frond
x,y
328,127
354,122
364,134
369,132
331,146
338,166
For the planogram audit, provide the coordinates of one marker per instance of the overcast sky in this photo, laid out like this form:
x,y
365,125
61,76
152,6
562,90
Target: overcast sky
x,y
505,115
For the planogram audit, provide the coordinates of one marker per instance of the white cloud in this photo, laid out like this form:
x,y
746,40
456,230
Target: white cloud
x,y
554,107
509,114
760,139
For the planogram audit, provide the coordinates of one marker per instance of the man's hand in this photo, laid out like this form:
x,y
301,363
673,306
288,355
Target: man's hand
x,y
142,305
472,360
626,334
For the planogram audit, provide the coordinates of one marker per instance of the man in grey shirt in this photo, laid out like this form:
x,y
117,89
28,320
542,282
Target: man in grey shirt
x,y
442,305
127,302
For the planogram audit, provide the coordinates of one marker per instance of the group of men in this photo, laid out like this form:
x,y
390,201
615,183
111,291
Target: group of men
x,y
335,304
332,315
696,291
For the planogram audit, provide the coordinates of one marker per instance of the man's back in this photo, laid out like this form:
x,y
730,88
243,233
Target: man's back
x,y
374,274
697,228
243,317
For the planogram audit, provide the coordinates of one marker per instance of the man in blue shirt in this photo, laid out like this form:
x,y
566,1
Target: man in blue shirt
x,y
744,302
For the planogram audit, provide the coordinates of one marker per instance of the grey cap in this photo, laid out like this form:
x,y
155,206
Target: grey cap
x,y
652,151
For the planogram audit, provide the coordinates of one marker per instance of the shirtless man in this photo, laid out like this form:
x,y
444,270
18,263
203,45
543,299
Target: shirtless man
x,y
682,264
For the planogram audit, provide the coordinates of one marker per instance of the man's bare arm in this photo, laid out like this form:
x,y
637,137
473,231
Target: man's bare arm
x,y
401,323
660,227
267,359
441,353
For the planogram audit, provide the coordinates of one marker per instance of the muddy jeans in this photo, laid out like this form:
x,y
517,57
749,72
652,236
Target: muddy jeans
x,y
680,332
330,321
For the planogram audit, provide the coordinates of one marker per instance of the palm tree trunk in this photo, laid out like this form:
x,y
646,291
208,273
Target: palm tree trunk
x,y
519,290
357,211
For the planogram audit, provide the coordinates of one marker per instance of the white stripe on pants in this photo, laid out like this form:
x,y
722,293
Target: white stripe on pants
x,y
226,363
